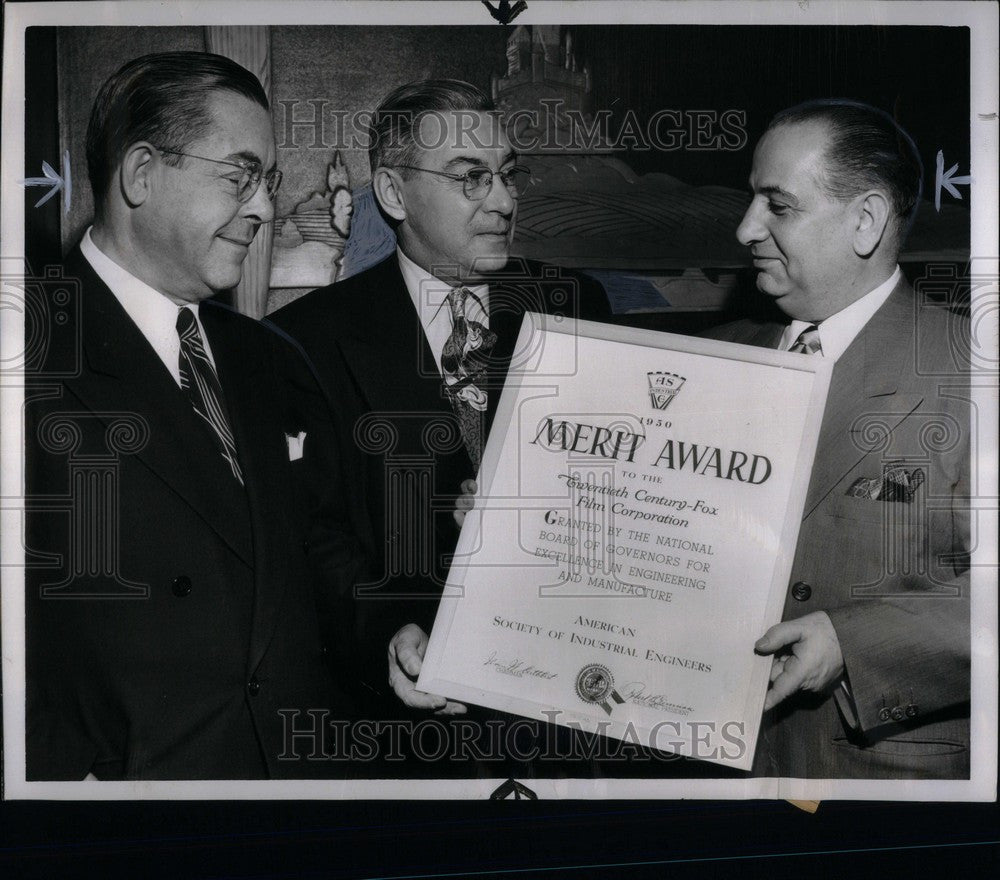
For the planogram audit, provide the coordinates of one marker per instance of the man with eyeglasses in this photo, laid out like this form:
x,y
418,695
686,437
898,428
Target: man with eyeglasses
x,y
415,351
170,612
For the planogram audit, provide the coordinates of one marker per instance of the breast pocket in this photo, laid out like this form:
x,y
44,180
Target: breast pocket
x,y
874,542
859,509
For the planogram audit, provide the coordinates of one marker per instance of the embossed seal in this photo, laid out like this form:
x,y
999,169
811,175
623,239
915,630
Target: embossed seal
x,y
595,683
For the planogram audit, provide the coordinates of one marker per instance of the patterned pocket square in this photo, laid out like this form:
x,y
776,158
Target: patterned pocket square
x,y
295,444
895,484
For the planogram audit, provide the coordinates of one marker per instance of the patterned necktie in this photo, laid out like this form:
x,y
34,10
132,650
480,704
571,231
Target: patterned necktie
x,y
201,385
463,363
808,341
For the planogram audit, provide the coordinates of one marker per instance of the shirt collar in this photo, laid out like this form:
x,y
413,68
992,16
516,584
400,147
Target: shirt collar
x,y
152,312
837,332
430,295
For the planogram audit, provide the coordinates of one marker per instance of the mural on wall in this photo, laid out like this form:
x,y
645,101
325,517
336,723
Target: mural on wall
x,y
309,242
651,240
655,223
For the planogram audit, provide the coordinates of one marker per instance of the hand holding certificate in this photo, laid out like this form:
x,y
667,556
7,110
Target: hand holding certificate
x,y
642,494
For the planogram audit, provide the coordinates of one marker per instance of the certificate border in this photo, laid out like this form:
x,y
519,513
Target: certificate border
x,y
432,678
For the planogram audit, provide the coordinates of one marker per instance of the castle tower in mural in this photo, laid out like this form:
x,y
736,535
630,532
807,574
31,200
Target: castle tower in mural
x,y
541,64
545,78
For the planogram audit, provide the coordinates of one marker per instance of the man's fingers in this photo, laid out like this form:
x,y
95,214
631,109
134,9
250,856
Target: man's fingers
x,y
785,684
419,700
406,656
407,692
778,636
465,501
452,708
777,667
406,649
409,660
415,699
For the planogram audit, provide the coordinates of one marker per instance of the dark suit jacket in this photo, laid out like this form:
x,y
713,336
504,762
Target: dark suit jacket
x,y
364,339
170,614
893,576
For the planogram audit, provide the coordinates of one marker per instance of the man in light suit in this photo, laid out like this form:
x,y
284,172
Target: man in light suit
x,y
385,344
171,620
871,670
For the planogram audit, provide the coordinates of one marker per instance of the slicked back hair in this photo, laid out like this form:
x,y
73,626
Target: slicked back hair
x,y
163,99
394,128
866,150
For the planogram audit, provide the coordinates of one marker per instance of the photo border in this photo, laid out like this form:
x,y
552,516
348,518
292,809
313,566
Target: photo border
x,y
983,194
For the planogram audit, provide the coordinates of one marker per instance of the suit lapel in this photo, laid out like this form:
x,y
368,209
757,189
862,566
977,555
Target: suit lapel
x,y
124,374
386,350
864,401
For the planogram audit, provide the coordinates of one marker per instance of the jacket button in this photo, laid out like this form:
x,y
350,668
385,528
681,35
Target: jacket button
x,y
181,586
801,591
912,710
884,715
305,546
897,713
253,688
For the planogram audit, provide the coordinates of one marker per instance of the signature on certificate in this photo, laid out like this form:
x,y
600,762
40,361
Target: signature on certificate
x,y
635,692
517,667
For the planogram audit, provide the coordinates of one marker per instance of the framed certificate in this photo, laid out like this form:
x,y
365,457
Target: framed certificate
x,y
641,497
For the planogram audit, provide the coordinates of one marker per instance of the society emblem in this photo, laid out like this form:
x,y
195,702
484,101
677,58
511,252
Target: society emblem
x,y
595,684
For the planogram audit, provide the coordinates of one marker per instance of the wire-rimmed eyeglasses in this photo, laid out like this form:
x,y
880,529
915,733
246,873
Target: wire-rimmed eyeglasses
x,y
252,173
478,182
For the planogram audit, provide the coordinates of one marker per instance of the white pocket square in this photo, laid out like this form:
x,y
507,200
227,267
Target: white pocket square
x,y
295,444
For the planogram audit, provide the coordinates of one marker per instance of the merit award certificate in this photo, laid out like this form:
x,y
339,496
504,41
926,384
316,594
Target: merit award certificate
x,y
641,498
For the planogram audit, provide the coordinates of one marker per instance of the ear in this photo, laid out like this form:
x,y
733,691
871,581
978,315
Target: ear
x,y
135,173
873,215
387,185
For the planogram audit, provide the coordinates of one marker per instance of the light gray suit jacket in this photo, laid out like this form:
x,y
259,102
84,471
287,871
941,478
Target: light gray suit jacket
x,y
891,574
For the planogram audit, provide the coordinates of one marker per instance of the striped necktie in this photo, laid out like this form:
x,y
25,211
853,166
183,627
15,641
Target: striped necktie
x,y
201,385
463,364
808,341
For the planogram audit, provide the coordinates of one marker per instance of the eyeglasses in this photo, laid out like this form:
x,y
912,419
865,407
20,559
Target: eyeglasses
x,y
477,183
249,180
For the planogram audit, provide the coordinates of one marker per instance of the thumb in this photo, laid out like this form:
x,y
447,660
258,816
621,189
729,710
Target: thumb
x,y
777,637
409,659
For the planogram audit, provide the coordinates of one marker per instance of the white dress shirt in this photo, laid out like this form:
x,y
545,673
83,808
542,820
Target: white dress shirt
x,y
152,312
430,299
838,331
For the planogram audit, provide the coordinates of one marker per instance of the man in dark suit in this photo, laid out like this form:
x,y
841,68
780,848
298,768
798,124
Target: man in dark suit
x,y
420,345
171,622
871,671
